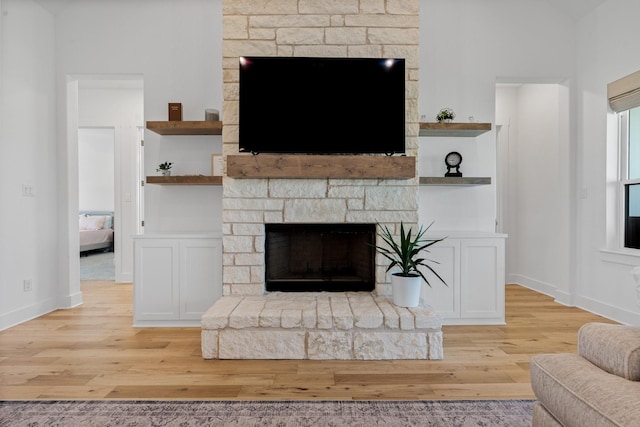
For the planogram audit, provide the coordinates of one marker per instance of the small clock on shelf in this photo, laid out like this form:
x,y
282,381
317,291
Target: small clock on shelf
x,y
453,160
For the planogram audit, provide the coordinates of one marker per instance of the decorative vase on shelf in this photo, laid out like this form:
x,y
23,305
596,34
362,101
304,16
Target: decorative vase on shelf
x,y
164,168
406,290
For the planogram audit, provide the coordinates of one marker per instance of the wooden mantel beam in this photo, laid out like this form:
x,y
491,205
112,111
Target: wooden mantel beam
x,y
320,166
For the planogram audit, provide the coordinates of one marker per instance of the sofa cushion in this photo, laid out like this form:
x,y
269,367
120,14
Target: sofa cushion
x,y
578,393
542,418
614,348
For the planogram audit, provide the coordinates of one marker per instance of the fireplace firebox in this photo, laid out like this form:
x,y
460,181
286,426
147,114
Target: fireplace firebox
x,y
320,257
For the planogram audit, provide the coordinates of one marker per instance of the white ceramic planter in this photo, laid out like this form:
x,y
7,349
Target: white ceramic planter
x,y
406,290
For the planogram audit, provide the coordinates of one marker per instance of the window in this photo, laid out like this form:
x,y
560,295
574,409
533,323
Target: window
x,y
624,99
630,175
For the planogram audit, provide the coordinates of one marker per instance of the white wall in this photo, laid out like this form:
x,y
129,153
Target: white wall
x,y
608,49
468,46
28,232
96,188
465,47
176,47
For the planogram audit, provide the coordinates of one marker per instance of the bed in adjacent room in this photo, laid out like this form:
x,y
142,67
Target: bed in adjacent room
x,y
96,230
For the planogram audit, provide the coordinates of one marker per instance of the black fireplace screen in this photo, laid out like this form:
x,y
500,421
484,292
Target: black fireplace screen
x,y
320,257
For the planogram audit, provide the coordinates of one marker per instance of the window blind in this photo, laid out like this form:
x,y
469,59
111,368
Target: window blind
x,y
624,93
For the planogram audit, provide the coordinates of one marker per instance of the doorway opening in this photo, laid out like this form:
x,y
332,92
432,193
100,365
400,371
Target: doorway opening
x,y
534,183
107,113
96,197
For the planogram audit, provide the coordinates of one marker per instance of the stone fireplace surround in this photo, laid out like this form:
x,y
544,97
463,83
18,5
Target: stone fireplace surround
x,y
248,322
348,28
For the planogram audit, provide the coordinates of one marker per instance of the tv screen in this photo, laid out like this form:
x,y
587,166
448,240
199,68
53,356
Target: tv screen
x,y
322,105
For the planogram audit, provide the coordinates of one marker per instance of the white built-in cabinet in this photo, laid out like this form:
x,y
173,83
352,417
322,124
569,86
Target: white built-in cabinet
x,y
176,278
473,266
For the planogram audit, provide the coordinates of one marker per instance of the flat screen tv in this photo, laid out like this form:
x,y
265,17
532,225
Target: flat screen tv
x,y
322,105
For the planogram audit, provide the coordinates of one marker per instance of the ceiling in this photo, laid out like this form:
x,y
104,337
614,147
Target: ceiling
x,y
575,9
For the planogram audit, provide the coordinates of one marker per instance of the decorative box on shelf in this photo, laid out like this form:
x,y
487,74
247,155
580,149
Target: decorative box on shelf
x,y
175,112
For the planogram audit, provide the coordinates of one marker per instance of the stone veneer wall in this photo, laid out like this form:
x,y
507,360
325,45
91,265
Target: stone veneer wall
x,y
332,28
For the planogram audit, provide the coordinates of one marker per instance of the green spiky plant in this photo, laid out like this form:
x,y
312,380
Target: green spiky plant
x,y
405,253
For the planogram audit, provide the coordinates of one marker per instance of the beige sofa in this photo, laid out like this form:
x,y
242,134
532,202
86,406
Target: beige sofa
x,y
599,386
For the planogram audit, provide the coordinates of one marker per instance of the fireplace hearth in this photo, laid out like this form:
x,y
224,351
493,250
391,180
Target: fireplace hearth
x,y
320,257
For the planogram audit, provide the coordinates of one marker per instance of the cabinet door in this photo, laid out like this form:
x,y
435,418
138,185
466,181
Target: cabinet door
x,y
445,299
156,275
482,279
200,276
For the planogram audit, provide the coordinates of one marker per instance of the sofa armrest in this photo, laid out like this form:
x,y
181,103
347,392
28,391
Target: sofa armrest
x,y
613,348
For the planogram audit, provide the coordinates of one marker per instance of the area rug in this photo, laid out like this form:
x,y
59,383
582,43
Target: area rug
x,y
449,413
97,265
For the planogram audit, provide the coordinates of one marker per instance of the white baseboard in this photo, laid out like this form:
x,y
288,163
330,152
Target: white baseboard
x,y
608,311
124,277
27,313
559,296
533,284
70,301
38,309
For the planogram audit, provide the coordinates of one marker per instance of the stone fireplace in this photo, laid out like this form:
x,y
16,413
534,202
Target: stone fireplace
x,y
349,28
299,325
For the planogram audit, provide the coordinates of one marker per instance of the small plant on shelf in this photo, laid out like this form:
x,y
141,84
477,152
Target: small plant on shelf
x,y
446,115
165,168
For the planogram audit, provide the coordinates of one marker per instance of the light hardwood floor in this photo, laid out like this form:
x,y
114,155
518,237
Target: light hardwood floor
x,y
93,352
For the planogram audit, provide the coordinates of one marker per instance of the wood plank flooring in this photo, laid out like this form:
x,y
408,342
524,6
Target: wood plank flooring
x,y
93,352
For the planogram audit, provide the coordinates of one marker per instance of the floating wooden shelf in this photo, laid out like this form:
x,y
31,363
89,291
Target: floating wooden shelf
x,y
320,166
454,180
185,180
453,129
186,128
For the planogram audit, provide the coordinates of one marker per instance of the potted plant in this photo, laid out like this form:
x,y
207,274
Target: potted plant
x,y
165,168
446,115
405,255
